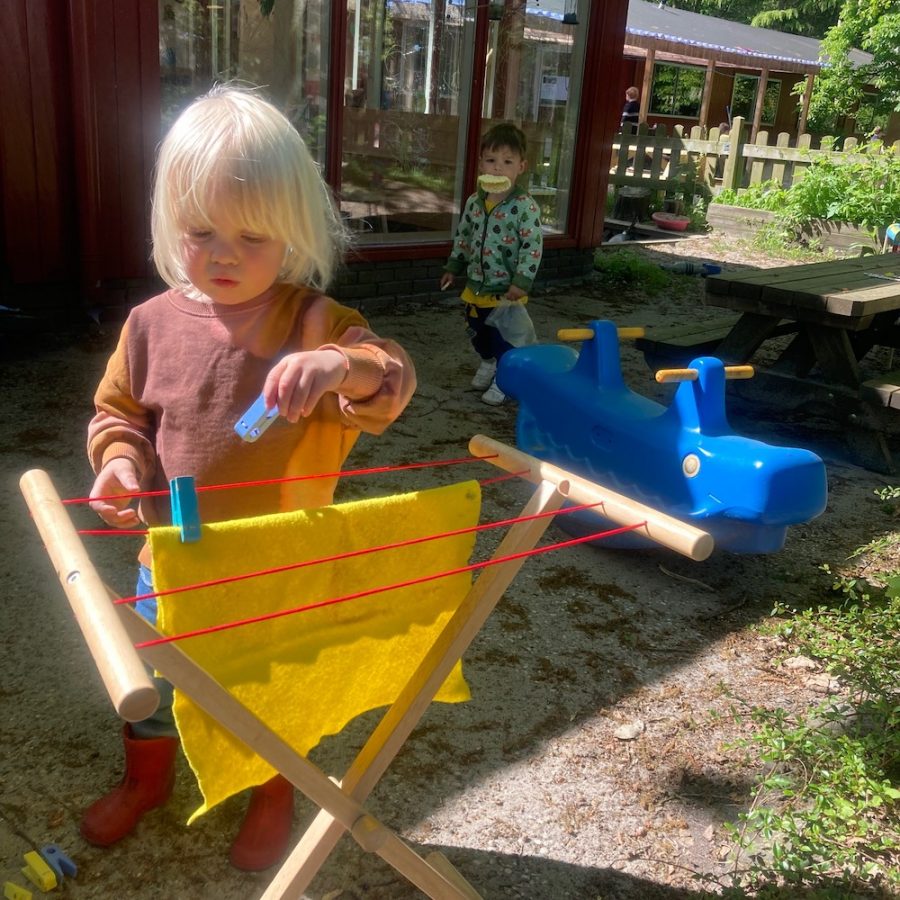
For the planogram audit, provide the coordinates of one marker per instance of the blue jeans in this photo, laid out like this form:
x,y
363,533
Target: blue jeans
x,y
162,722
487,340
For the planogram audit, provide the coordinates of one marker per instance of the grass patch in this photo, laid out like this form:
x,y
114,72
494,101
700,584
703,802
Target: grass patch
x,y
826,813
623,268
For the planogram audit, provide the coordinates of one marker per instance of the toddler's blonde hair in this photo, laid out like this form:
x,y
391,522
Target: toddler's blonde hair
x,y
233,146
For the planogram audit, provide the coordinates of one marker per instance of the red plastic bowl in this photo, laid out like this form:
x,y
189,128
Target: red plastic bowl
x,y
670,221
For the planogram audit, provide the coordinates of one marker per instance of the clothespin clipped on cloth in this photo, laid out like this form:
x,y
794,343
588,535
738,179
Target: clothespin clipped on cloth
x,y
185,514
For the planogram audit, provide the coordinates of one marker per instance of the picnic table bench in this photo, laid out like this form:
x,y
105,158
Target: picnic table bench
x,y
834,315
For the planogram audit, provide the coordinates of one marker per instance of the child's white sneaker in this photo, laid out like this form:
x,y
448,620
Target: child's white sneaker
x,y
493,396
485,374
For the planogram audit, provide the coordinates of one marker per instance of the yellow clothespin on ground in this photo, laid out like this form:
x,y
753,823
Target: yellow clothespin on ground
x,y
38,872
14,892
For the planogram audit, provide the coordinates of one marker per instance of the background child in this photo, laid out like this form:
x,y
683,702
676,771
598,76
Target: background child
x,y
244,232
498,244
631,111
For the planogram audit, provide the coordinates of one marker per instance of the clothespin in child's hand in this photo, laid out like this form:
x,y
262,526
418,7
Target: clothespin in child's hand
x,y
256,420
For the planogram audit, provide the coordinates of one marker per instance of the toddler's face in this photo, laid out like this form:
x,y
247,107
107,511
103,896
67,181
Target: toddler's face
x,y
228,263
502,161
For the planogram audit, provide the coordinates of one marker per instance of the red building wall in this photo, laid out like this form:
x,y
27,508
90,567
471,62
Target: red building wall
x,y
37,196
80,107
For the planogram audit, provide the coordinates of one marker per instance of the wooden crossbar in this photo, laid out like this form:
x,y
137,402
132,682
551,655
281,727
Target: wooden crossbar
x,y
111,632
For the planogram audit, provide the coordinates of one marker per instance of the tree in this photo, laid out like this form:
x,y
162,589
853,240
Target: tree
x,y
874,27
807,17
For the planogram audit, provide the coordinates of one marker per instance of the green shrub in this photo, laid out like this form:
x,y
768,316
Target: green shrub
x,y
769,195
827,810
864,191
625,268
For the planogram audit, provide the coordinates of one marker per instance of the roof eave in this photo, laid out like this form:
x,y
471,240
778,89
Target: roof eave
x,y
720,54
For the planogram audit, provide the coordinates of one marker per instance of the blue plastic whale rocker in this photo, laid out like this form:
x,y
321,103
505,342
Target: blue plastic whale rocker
x,y
576,411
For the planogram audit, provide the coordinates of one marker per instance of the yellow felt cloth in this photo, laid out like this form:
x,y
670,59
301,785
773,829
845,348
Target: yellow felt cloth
x,y
307,675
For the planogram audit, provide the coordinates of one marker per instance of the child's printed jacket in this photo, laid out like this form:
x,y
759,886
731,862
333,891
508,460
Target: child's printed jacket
x,y
498,248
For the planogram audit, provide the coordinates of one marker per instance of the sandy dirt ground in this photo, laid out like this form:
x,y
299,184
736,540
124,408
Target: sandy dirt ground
x,y
592,761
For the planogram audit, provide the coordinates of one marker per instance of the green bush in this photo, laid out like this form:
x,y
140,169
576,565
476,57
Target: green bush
x,y
769,195
827,809
625,268
863,190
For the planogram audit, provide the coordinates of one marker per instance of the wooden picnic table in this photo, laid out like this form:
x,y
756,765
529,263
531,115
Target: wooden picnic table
x,y
829,317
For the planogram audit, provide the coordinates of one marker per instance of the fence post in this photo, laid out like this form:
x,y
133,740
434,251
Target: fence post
x,y
733,174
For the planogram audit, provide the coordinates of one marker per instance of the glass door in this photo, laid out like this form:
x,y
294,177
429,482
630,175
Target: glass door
x,y
406,90
406,70
279,45
533,71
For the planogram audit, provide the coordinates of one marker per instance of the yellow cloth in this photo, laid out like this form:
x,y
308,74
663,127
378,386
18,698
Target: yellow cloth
x,y
307,675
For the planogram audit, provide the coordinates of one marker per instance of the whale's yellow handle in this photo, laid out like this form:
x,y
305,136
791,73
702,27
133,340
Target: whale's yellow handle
x,y
666,376
585,334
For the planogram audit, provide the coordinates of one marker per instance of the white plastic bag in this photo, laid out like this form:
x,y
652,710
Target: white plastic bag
x,y
511,319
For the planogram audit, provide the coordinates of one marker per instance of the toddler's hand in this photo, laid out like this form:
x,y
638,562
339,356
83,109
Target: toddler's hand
x,y
515,293
446,280
118,476
296,383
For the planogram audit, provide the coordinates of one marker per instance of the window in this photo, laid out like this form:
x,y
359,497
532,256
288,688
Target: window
x,y
743,98
677,90
407,103
203,43
407,91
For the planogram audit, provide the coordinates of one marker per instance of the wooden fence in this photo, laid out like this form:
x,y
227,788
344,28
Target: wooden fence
x,y
698,163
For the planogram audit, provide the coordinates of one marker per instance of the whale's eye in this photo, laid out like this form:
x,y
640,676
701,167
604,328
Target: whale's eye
x,y
690,465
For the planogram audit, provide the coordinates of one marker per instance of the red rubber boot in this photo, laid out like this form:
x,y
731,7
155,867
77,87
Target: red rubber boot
x,y
149,778
266,829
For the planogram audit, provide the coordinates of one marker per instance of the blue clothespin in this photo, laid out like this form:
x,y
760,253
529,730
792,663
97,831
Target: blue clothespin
x,y
256,420
58,861
185,514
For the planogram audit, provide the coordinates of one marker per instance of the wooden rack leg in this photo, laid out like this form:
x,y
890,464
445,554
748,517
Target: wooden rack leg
x,y
129,686
230,713
398,722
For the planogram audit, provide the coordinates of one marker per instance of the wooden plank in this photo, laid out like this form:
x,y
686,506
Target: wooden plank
x,y
685,335
778,168
883,389
789,311
832,286
758,164
834,355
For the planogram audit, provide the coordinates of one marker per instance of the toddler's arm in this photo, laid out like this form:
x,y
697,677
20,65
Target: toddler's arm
x,y
296,383
118,477
121,427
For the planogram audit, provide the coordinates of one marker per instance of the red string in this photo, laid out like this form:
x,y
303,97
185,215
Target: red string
x,y
124,532
379,590
351,553
238,484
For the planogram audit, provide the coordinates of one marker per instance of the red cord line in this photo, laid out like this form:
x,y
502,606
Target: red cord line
x,y
123,532
351,553
238,484
367,593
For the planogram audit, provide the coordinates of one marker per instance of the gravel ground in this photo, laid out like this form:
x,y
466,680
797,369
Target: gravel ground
x,y
591,761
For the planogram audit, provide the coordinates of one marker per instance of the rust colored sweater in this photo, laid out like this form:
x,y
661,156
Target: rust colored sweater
x,y
184,372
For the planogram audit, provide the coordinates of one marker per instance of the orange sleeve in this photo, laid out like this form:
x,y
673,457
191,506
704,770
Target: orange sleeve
x,y
121,427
